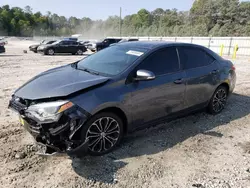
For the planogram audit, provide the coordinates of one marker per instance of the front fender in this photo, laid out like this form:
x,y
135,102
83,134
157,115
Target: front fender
x,y
93,103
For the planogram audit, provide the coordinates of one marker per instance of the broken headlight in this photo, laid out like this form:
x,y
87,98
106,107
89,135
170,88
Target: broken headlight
x,y
48,112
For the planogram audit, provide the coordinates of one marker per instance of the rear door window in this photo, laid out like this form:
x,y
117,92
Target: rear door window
x,y
65,43
74,43
162,62
192,57
111,41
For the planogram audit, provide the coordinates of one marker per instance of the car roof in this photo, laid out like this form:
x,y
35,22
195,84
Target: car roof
x,y
155,44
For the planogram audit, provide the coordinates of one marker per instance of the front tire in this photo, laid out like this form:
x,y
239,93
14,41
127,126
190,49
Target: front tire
x,y
50,52
218,100
104,132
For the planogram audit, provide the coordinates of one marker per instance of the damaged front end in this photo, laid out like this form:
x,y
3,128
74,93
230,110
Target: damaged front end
x,y
55,125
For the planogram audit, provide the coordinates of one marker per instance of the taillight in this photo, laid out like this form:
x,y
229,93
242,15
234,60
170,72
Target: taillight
x,y
233,67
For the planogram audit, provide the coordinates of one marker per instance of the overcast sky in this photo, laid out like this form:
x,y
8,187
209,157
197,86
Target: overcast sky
x,y
97,9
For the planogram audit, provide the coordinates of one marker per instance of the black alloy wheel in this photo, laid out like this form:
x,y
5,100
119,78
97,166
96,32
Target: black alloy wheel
x,y
218,100
104,132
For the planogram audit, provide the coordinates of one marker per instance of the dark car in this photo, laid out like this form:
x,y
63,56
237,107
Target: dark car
x,y
103,44
2,48
128,40
34,47
88,106
71,38
85,43
63,46
125,40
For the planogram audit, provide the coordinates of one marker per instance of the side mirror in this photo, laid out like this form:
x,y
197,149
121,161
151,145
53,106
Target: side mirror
x,y
143,75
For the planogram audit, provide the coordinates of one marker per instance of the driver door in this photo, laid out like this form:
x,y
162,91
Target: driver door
x,y
155,99
63,47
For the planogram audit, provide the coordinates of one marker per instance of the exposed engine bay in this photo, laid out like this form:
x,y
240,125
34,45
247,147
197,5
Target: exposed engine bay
x,y
58,134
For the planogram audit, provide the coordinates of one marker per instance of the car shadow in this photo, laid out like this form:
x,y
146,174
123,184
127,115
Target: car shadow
x,y
159,138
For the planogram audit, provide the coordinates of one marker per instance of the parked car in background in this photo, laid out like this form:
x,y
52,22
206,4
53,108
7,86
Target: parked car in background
x,y
34,47
62,46
3,40
88,106
71,39
85,43
2,48
128,40
103,44
125,40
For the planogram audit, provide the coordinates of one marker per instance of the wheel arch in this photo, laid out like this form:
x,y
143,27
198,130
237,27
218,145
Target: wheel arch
x,y
47,50
119,112
225,84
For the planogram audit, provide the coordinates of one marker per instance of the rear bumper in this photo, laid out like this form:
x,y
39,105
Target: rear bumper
x,y
57,138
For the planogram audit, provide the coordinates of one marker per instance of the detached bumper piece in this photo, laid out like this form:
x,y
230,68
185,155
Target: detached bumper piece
x,y
62,137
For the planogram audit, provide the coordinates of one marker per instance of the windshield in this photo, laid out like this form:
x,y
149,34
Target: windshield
x,y
123,40
57,42
112,60
42,42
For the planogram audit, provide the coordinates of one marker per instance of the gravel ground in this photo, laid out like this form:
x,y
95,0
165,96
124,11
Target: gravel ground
x,y
200,150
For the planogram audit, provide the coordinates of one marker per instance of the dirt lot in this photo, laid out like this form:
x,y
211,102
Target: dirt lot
x,y
197,151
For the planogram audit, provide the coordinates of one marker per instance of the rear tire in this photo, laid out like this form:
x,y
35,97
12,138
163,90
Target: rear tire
x,y
106,127
218,101
79,52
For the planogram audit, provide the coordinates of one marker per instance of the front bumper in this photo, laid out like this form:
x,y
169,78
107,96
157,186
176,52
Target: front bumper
x,y
62,137
33,49
91,48
41,51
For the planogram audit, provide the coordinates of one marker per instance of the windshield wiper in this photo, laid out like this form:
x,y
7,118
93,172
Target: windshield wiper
x,y
74,65
89,71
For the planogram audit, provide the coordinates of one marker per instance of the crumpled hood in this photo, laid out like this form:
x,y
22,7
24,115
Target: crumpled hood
x,y
45,45
58,82
34,46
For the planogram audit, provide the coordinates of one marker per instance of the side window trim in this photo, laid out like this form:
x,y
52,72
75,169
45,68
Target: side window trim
x,y
183,64
177,54
179,59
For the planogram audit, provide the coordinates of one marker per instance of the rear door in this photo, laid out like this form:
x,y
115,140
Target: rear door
x,y
202,74
74,46
155,99
64,47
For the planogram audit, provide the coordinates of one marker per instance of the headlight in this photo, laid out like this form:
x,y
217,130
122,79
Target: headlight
x,y
41,47
48,112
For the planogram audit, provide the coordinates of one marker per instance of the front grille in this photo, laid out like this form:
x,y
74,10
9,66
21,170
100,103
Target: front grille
x,y
36,129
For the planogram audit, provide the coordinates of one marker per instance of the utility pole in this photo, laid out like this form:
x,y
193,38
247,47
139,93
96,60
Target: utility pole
x,y
120,23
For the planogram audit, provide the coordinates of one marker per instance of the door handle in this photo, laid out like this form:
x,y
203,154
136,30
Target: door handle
x,y
214,72
179,81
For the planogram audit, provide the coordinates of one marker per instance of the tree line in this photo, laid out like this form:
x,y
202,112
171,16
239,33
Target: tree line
x,y
205,18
